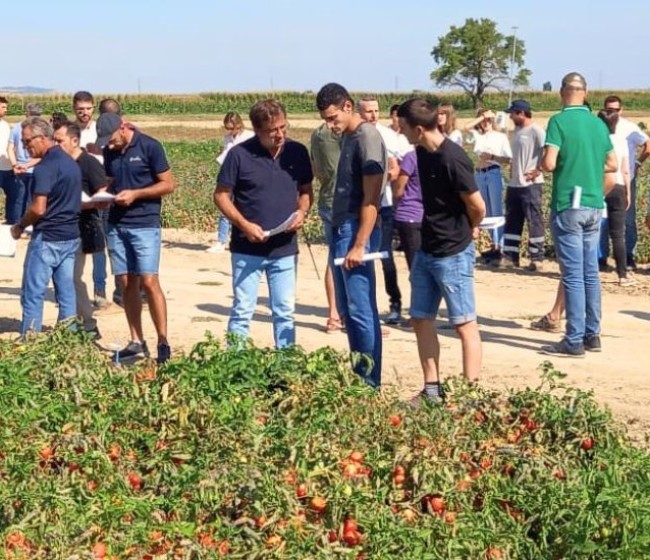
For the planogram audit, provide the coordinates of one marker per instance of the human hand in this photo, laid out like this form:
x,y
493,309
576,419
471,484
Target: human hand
x,y
126,197
298,221
354,257
16,231
254,233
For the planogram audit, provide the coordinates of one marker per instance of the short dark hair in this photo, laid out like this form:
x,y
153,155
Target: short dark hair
x,y
3,99
265,111
610,119
84,96
612,99
109,105
332,94
72,129
419,112
57,119
393,108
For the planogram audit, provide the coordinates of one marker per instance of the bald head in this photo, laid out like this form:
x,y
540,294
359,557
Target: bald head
x,y
574,89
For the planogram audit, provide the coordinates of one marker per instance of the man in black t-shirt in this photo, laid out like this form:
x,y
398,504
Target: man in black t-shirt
x,y
263,183
93,180
444,266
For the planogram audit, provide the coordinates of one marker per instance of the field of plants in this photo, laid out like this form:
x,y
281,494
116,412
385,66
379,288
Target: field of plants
x,y
252,453
305,102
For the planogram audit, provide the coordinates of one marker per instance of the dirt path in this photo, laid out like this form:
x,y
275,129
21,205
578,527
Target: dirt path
x,y
198,289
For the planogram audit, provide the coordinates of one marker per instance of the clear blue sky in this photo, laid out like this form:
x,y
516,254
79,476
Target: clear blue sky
x,y
175,46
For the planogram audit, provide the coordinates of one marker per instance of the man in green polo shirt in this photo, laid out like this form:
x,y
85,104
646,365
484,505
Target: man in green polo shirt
x,y
578,152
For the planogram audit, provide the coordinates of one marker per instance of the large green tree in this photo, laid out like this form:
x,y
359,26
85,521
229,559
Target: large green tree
x,y
476,57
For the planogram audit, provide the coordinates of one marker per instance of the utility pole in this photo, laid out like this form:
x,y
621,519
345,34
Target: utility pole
x,y
512,62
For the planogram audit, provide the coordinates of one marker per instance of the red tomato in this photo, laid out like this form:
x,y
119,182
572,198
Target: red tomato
x,y
99,550
587,444
301,490
318,504
351,537
356,457
395,420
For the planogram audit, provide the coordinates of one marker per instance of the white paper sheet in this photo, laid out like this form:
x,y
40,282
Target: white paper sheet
x,y
367,257
7,242
281,227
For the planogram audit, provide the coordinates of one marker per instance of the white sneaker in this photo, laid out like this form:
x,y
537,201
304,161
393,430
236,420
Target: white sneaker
x,y
218,247
29,230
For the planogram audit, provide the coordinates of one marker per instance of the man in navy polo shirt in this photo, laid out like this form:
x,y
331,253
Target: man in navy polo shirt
x,y
54,215
263,182
139,176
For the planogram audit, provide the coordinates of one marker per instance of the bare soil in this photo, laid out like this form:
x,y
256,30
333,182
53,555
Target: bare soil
x,y
199,295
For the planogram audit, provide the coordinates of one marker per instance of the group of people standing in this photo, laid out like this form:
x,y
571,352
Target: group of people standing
x,y
80,168
413,177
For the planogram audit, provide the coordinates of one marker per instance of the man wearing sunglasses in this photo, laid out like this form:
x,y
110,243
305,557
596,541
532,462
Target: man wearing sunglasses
x,y
638,144
54,215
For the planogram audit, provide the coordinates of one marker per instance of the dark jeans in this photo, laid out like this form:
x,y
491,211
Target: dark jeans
x,y
18,189
410,236
388,265
524,204
630,228
616,202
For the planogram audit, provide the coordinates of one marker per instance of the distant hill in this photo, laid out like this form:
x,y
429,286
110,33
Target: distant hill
x,y
25,90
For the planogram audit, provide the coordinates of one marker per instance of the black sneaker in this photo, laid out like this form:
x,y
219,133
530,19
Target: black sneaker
x,y
630,263
603,266
592,343
94,333
563,349
394,317
131,352
164,353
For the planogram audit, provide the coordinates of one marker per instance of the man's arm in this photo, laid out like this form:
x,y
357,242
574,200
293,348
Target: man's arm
x,y
549,159
33,214
367,219
223,199
305,200
475,208
399,186
163,186
611,163
393,169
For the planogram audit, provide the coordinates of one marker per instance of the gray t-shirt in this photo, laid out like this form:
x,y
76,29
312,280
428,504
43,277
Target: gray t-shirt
x,y
362,153
527,147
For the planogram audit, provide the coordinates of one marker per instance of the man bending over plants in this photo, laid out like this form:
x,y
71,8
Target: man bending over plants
x,y
444,265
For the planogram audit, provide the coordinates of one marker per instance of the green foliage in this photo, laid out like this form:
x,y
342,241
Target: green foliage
x,y
477,57
304,103
223,452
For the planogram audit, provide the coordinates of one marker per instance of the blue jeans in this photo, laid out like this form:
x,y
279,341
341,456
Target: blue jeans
x,y
223,230
281,278
576,236
450,278
356,301
133,250
8,185
47,260
490,184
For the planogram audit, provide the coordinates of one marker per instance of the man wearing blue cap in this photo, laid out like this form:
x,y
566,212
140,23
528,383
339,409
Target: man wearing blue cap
x,y
524,192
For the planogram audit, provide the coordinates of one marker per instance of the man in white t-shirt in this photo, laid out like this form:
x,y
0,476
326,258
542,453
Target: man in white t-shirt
x,y
7,180
368,108
638,144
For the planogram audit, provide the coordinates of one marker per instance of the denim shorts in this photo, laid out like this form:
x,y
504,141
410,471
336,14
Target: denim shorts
x,y
133,250
451,278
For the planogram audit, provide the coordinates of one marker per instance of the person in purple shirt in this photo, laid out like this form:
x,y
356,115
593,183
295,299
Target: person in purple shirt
x,y
409,210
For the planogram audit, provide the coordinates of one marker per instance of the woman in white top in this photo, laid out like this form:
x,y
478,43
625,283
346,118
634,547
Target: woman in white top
x,y
447,123
236,133
492,149
617,199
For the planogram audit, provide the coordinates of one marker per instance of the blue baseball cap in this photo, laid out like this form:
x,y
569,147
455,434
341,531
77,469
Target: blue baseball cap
x,y
519,105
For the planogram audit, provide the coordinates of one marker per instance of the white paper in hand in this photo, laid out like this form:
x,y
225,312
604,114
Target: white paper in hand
x,y
367,257
7,242
281,227
102,197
